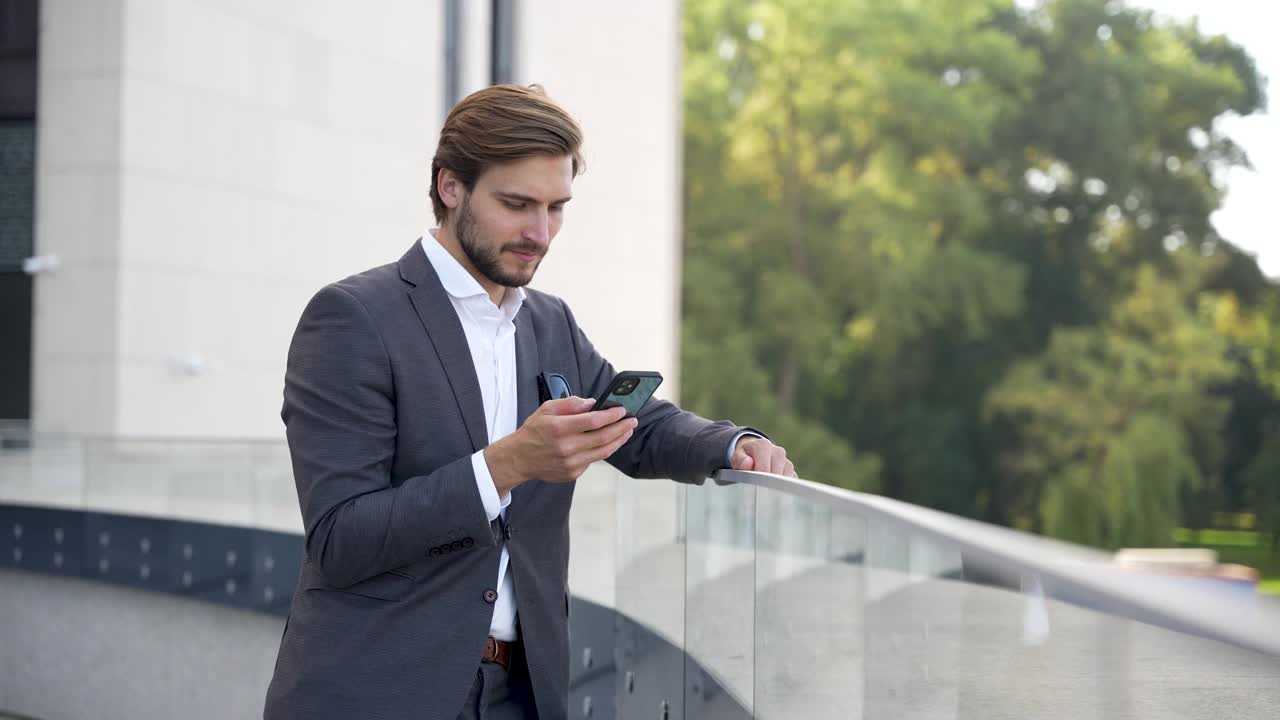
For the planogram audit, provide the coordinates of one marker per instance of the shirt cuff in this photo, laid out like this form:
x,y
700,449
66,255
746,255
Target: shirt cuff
x,y
728,455
493,505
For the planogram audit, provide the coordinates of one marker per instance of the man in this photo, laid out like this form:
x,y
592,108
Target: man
x,y
434,487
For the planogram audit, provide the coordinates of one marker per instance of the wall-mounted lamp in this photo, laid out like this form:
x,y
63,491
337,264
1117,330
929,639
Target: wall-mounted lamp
x,y
41,264
192,364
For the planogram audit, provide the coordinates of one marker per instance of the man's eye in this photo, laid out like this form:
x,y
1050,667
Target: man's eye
x,y
513,206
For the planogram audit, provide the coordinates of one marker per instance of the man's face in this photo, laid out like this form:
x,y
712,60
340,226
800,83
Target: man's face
x,y
506,223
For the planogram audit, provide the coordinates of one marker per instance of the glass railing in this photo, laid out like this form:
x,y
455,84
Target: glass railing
x,y
747,596
802,600
246,484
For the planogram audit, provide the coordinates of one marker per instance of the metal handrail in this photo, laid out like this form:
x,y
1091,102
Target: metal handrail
x,y
1066,572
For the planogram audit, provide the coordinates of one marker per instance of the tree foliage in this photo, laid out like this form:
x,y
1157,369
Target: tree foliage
x,y
959,252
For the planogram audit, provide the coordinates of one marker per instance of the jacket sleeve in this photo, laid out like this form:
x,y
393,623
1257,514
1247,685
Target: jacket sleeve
x,y
340,420
668,442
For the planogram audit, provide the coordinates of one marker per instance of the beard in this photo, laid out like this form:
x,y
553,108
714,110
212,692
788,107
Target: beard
x,y
486,257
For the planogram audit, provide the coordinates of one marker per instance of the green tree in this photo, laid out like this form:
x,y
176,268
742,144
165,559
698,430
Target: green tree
x,y
1105,422
1251,471
893,210
1263,480
819,187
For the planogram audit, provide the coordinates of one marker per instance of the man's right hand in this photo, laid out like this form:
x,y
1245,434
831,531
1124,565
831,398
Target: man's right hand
x,y
557,443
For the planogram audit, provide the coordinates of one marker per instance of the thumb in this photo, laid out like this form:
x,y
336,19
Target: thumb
x,y
742,461
567,406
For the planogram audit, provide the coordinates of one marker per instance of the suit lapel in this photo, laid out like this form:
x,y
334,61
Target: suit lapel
x,y
527,367
444,329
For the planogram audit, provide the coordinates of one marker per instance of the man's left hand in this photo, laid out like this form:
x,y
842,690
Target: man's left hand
x,y
761,455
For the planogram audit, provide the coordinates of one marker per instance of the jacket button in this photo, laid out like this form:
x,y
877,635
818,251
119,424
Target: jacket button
x,y
456,545
435,552
468,542
490,596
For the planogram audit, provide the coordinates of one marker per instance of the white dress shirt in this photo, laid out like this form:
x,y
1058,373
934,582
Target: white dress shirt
x,y
491,336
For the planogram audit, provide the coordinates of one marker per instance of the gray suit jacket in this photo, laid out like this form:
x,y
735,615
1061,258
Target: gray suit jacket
x,y
383,411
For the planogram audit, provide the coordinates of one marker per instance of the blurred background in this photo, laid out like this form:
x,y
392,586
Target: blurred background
x,y
1010,260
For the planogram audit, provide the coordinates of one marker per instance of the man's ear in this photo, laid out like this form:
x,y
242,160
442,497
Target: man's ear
x,y
450,188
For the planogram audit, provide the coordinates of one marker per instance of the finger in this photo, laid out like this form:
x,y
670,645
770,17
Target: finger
x,y
601,452
588,441
607,451
589,421
776,459
769,459
789,469
743,461
763,459
566,406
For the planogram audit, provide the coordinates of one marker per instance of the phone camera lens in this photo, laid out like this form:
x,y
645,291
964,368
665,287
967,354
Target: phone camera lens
x,y
627,386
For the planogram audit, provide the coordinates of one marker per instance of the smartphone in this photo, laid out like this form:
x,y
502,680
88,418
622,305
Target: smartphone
x,y
631,389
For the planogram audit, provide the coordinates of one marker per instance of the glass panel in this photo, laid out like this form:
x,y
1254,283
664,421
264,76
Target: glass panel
x,y
49,472
649,582
955,637
592,622
275,494
242,484
207,482
1146,671
913,624
809,621
720,625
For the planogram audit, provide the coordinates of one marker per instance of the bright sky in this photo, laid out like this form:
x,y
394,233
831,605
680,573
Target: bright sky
x,y
1248,217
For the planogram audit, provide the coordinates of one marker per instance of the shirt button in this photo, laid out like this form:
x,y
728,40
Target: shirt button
x,y
490,596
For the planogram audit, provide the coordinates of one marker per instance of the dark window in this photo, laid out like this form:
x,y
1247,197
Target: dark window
x,y
452,53
503,39
18,27
18,59
17,177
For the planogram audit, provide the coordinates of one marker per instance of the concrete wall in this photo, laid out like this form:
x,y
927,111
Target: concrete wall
x,y
75,322
204,166
617,260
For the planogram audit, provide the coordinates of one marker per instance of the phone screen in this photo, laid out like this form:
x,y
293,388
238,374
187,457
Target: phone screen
x,y
631,392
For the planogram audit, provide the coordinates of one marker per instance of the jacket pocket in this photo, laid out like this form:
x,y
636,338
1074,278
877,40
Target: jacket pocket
x,y
390,585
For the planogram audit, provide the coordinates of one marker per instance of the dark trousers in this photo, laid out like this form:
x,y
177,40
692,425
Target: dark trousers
x,y
501,694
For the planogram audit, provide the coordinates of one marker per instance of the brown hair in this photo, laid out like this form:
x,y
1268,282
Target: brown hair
x,y
501,124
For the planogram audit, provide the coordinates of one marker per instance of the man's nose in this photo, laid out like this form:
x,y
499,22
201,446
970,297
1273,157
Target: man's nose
x,y
538,229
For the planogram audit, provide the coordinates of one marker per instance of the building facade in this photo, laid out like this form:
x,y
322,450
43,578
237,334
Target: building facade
x,y
202,167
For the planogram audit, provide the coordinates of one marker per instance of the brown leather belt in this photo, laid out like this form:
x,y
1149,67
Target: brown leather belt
x,y
497,651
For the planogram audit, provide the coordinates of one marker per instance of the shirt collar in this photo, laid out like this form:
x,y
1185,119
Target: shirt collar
x,y
459,283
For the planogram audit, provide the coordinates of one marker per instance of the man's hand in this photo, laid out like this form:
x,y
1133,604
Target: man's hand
x,y
761,455
557,443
